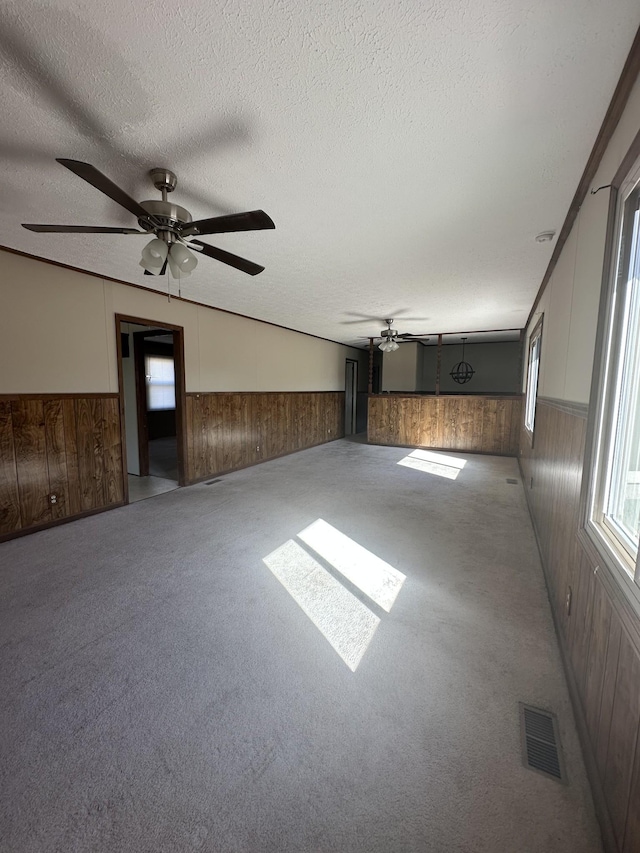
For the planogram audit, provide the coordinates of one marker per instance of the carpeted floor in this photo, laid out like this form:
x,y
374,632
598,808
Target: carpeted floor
x,y
209,670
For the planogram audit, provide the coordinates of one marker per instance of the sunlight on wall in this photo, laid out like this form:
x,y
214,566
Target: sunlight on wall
x,y
344,620
377,579
434,463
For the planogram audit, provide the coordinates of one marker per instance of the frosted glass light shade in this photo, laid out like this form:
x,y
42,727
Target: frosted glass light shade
x,y
154,255
182,258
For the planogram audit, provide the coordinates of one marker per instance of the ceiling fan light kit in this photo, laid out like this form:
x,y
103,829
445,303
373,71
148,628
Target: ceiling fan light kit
x,y
171,224
391,339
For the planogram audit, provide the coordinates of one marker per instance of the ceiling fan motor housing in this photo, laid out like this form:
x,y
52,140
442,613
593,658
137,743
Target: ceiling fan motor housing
x,y
169,216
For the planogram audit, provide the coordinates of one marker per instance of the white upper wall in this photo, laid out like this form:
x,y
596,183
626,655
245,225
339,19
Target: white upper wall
x,y
571,298
57,335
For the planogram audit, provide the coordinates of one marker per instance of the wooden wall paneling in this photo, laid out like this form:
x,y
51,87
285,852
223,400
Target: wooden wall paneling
x,y
86,455
580,623
623,737
632,829
31,461
375,420
503,426
74,492
462,417
244,449
338,405
424,422
189,434
604,661
10,519
293,421
463,423
332,417
403,409
214,438
596,661
314,435
261,406
307,432
194,437
516,417
312,431
56,456
489,424
608,695
439,421
280,426
112,449
477,425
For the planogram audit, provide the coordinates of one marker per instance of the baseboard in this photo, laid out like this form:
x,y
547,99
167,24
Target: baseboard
x,y
597,792
259,461
441,449
36,528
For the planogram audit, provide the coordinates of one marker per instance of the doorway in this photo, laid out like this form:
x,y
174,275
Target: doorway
x,y
151,382
350,396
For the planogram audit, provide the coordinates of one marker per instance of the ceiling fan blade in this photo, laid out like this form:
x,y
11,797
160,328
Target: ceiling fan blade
x,y
411,335
253,220
78,229
92,176
227,258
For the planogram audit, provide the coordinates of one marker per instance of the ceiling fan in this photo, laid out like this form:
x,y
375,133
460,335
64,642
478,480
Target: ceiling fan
x,y
170,224
391,338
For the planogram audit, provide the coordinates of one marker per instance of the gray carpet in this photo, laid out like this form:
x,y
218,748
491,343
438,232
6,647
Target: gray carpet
x,y
166,689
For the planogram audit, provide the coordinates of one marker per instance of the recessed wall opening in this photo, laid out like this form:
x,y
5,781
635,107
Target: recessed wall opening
x,y
150,369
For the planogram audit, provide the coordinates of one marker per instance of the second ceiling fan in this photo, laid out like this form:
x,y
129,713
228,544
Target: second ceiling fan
x,y
391,338
171,225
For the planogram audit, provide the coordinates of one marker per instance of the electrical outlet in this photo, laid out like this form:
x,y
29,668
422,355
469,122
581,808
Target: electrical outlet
x,y
568,600
53,499
257,448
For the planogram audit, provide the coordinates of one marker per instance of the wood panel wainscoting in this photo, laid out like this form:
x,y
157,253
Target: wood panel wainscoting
x,y
227,431
598,632
467,423
67,446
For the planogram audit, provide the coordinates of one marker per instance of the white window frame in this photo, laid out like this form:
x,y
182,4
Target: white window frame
x,y
615,548
533,377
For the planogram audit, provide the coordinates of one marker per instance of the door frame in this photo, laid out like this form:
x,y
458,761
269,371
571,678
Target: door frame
x,y
181,399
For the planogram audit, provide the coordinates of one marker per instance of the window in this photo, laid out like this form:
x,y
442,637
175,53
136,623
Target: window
x,y
161,382
535,342
614,500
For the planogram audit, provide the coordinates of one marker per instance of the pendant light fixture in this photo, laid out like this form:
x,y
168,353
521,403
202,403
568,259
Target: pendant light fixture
x,y
462,372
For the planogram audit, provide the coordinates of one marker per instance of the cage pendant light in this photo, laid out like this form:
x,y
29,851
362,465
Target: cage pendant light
x,y
462,372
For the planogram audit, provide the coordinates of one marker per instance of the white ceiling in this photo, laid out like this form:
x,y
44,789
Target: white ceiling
x,y
408,152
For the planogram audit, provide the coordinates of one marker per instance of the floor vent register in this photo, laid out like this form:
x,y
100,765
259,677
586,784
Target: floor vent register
x,y
541,749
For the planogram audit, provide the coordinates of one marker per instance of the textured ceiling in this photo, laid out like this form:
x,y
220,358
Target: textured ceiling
x,y
408,152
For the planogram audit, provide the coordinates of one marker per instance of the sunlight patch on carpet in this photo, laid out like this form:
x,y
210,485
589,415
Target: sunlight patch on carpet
x,y
377,579
344,620
434,463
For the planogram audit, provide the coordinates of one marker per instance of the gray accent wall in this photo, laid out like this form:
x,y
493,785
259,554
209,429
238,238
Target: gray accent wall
x,y
497,368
